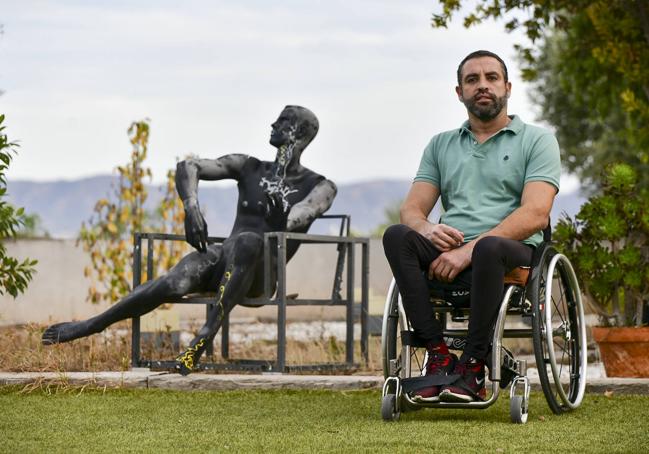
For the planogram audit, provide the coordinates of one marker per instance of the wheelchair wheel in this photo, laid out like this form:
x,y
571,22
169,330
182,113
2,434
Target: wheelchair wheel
x,y
518,409
559,332
406,361
389,408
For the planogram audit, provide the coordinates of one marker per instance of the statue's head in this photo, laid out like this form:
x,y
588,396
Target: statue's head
x,y
296,124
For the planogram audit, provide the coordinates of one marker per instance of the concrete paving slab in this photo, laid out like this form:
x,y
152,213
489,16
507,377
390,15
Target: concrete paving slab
x,y
264,381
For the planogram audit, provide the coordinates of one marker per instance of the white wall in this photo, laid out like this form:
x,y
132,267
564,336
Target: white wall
x,y
58,290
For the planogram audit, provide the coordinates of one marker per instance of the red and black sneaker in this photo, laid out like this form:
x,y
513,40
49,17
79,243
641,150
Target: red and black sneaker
x,y
439,362
471,384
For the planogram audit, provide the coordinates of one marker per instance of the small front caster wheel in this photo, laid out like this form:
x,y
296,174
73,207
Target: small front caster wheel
x,y
389,408
518,409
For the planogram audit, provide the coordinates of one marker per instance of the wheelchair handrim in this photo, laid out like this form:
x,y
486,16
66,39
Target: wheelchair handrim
x,y
549,332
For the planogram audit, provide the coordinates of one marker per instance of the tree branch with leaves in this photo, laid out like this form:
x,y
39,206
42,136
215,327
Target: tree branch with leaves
x,y
14,274
108,235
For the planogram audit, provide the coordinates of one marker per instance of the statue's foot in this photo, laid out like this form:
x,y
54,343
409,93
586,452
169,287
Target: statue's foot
x,y
187,362
181,367
63,332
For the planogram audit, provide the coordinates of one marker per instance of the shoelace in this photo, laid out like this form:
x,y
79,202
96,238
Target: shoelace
x,y
463,368
436,361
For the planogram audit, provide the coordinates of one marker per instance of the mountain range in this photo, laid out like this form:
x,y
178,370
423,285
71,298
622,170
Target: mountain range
x,y
63,205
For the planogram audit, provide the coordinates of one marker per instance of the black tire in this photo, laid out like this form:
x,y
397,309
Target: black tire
x,y
389,408
558,331
391,345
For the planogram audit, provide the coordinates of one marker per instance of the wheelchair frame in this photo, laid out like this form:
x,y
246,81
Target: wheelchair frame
x,y
550,298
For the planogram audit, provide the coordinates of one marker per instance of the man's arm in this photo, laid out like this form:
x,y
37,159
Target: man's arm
x,y
317,202
414,213
188,173
529,218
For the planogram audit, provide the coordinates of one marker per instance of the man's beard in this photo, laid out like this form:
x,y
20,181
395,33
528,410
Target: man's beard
x,y
488,112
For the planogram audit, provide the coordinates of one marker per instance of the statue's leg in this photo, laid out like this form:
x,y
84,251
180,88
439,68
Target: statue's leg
x,y
243,260
191,274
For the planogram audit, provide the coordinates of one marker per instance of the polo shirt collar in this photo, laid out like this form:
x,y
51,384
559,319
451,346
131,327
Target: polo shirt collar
x,y
515,126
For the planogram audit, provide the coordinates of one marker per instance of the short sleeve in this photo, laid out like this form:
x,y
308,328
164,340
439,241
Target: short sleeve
x,y
428,167
544,163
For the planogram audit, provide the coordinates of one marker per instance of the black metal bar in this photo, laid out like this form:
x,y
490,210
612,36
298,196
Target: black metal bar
x,y
281,306
137,279
306,238
340,264
349,338
149,259
225,337
267,261
252,366
365,272
209,350
175,237
259,302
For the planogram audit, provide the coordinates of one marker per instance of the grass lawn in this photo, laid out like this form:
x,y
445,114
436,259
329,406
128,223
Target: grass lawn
x,y
303,421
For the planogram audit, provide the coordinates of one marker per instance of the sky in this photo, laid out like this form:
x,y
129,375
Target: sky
x,y
211,76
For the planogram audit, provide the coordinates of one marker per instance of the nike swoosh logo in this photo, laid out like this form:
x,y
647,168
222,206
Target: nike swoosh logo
x,y
479,382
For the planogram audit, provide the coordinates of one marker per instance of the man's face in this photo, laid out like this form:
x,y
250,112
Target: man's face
x,y
284,128
483,91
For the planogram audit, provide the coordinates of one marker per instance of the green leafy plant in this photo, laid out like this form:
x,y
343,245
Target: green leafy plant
x,y
108,235
14,274
608,245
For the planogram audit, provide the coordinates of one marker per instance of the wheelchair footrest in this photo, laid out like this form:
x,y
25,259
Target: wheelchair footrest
x,y
415,383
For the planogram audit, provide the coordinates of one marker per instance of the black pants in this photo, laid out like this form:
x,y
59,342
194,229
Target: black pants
x,y
410,254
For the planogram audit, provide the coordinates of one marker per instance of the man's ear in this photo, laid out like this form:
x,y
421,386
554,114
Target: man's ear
x,y
458,91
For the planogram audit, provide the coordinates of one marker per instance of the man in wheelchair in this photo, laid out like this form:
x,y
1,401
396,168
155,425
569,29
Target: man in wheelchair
x,y
497,178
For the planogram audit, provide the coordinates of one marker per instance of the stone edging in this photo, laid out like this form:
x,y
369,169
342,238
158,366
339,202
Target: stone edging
x,y
228,382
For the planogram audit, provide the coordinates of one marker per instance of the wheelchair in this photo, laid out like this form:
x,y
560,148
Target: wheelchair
x,y
545,296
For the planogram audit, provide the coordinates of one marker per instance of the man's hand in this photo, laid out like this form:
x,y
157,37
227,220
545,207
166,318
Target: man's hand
x,y
444,237
275,215
195,227
449,264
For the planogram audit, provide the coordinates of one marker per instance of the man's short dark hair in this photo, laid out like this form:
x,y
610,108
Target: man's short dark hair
x,y
478,54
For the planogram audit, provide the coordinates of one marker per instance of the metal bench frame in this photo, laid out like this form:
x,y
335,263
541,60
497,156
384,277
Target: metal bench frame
x,y
272,241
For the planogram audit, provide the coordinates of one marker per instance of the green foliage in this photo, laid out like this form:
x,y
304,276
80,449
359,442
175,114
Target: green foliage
x,y
392,216
14,274
608,244
31,227
109,233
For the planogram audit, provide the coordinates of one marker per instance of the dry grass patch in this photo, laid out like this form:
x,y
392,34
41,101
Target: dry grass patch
x,y
21,351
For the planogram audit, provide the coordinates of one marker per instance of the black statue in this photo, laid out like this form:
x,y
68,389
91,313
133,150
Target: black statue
x,y
273,196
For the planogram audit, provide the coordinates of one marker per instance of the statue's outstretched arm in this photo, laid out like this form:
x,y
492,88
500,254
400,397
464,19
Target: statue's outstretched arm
x,y
188,173
313,205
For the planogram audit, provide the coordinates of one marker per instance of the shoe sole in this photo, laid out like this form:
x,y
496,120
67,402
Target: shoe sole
x,y
448,396
425,400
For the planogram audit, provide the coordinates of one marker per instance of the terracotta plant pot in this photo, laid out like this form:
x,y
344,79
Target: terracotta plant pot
x,y
624,351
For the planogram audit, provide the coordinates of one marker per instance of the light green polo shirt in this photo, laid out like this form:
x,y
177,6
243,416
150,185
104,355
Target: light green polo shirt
x,y
481,184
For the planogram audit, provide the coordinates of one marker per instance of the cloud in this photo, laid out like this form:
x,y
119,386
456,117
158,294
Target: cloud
x,y
212,76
